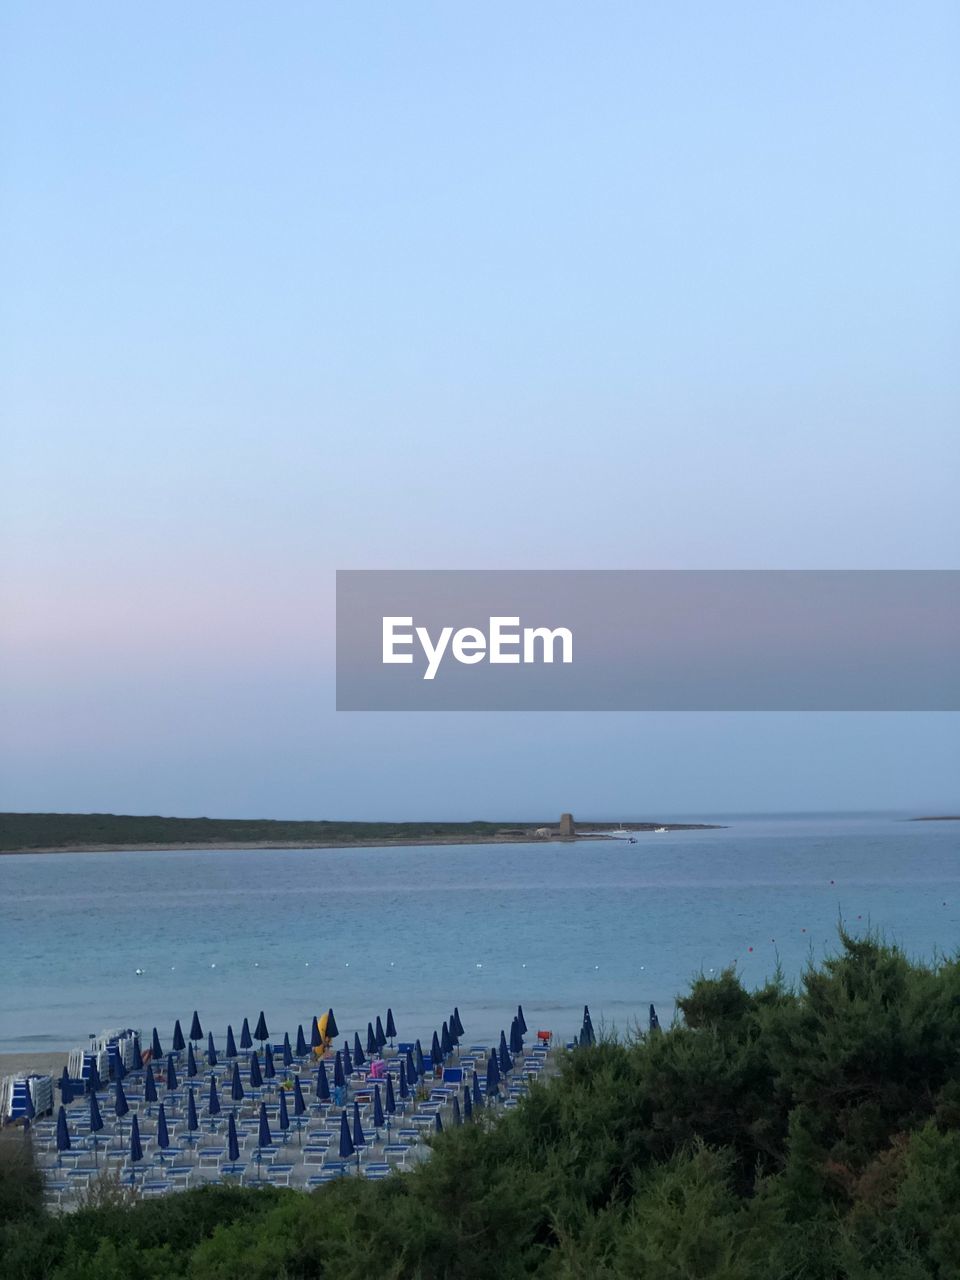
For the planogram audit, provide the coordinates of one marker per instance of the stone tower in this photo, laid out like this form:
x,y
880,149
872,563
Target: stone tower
x,y
566,825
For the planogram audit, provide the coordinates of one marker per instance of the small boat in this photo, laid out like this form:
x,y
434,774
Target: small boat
x,y
657,830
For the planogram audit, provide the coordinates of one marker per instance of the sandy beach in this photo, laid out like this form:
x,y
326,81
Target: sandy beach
x,y
47,1064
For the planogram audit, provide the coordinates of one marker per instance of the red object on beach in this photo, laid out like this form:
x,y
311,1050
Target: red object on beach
x,y
545,1036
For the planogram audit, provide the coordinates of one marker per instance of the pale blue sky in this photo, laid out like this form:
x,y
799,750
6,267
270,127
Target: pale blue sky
x,y
618,285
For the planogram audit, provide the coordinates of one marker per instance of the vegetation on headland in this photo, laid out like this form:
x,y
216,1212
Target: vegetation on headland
x,y
21,832
810,1134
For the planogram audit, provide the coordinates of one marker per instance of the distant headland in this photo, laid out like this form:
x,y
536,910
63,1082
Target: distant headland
x,y
110,832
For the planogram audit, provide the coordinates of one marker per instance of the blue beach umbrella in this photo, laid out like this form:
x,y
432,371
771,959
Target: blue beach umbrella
x,y
246,1040
372,1046
211,1051
391,1101
358,1139
418,1058
156,1052
338,1076
256,1076
191,1062
521,1020
236,1084
457,1117
378,1121
63,1134
467,1104
358,1057
284,1120
172,1081
96,1122
332,1029
196,1031
477,1095
287,1051
261,1033
269,1070
346,1142
452,1031
149,1087
516,1039
119,1070
136,1150
412,1076
379,1032
264,1137
213,1102
93,1077
438,1123
233,1145
299,1106
654,1020
231,1043
179,1044
316,1039
137,1054
505,1063
436,1051
456,1018
301,1042
193,1124
404,1087
347,1060
391,1027
493,1075
120,1104
163,1135
323,1083
446,1044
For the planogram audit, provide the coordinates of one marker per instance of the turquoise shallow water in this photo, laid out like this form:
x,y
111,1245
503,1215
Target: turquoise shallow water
x,y
606,923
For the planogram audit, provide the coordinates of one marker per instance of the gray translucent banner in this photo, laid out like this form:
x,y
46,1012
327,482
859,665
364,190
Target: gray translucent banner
x,y
648,640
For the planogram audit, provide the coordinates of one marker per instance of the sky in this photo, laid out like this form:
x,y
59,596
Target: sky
x,y
432,286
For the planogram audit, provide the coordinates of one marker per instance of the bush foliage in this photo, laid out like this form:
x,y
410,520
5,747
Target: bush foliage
x,y
812,1134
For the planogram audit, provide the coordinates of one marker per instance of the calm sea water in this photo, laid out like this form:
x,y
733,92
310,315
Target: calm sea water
x,y
606,923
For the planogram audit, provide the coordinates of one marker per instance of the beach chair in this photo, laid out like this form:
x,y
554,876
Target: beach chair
x,y
397,1151
153,1189
279,1175
376,1170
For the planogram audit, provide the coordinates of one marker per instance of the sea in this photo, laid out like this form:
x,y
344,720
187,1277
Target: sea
x,y
94,941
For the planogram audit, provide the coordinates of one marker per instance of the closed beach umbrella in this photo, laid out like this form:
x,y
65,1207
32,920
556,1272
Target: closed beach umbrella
x,y
137,1054
284,1120
120,1104
191,1062
299,1106
120,1070
93,1076
269,1070
358,1057
163,1135
236,1084
347,1060
316,1039
264,1138
179,1044
456,1018
467,1104
256,1075
418,1058
377,1110
372,1046
379,1032
438,1123
301,1042
412,1076
477,1095
654,1020
287,1051
436,1051
457,1117
156,1052
261,1033
211,1051
136,1150
233,1146
404,1087
193,1124
358,1139
246,1040
63,1134
338,1076
446,1044
149,1086
172,1081
391,1100
521,1020
505,1062
323,1083
346,1142
493,1075
516,1039
332,1029
96,1121
231,1043
391,1027
213,1101
196,1031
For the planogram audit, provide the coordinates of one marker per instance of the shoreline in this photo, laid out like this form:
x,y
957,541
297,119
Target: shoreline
x,y
400,842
